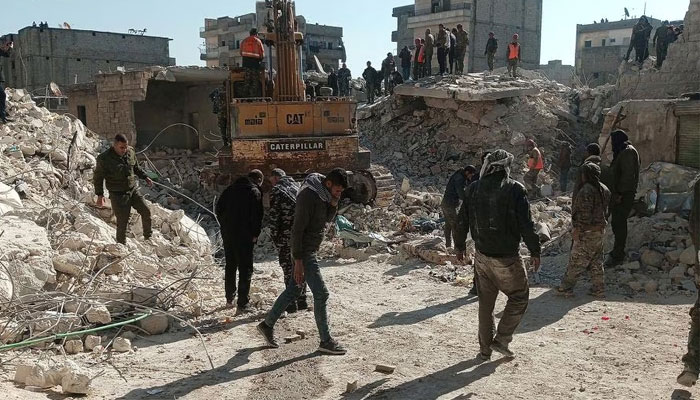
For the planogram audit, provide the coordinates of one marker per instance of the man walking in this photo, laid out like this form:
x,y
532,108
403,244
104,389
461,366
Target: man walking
x,y
370,74
283,200
589,218
564,164
118,168
461,47
240,214
5,51
491,48
442,44
454,194
535,163
689,376
344,77
497,213
333,82
624,172
428,45
405,56
316,206
514,56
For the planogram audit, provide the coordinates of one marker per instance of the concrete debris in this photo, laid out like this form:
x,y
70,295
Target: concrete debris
x,y
385,368
98,315
121,345
73,346
71,378
351,386
155,324
91,342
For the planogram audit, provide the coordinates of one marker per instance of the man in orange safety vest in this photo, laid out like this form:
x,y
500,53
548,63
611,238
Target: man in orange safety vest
x,y
535,163
253,53
513,56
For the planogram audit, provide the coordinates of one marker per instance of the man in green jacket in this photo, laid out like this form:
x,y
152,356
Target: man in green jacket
x,y
119,169
625,179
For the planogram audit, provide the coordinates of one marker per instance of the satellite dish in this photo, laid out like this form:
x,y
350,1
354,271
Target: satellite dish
x,y
55,89
66,25
627,12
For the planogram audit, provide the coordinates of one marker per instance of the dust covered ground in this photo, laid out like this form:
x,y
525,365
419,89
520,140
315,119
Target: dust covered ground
x,y
623,347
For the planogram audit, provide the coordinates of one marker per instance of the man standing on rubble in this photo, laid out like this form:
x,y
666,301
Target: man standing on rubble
x,y
514,56
689,376
405,56
316,206
452,51
443,40
253,54
118,168
625,179
589,218
240,213
418,59
333,82
370,74
218,100
497,213
564,164
640,40
388,67
428,45
662,38
592,155
491,49
461,47
5,51
454,194
535,164
344,77
283,200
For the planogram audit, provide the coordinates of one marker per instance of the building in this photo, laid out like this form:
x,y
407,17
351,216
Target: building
x,y
555,70
223,36
600,47
478,18
70,56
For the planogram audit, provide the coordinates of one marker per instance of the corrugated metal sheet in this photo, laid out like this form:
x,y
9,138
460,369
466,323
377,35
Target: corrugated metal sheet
x,y
689,140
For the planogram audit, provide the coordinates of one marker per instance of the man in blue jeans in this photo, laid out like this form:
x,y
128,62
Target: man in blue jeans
x,y
316,206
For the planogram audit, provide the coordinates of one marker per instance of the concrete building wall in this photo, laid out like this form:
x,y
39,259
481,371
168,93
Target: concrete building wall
x,y
556,71
65,56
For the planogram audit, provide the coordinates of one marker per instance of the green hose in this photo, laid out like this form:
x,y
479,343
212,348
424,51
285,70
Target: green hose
x,y
30,342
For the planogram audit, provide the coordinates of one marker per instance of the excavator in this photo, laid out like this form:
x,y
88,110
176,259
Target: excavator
x,y
279,127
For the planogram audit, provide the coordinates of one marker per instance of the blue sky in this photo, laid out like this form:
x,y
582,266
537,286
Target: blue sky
x,y
367,23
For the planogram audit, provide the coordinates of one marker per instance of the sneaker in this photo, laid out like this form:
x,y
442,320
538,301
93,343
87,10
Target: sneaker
x,y
332,347
612,261
268,334
292,308
687,379
483,357
564,292
473,291
229,305
495,346
243,309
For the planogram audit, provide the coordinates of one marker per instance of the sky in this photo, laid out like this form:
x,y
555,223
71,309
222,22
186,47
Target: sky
x,y
367,24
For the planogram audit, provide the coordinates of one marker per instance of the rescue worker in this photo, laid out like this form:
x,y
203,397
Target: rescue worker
x,y
240,213
428,46
640,40
454,194
388,67
662,37
591,155
309,90
316,206
691,360
118,169
491,49
253,54
589,218
513,56
6,48
452,51
283,200
333,82
624,171
418,59
564,164
370,74
497,214
405,56
442,43
344,77
218,100
535,163
461,47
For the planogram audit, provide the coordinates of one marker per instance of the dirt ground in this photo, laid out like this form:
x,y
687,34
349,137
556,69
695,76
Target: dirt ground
x,y
620,348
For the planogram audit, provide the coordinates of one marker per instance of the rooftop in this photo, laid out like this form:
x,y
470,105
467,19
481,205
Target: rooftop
x,y
612,25
94,31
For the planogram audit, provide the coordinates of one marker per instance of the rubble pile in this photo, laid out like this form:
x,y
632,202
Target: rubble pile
x,y
437,125
60,268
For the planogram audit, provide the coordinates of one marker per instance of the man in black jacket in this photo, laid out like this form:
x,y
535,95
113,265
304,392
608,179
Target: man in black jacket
x,y
497,213
316,206
5,51
333,82
454,194
240,214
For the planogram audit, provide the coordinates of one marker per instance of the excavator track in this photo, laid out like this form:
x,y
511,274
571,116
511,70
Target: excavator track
x,y
385,183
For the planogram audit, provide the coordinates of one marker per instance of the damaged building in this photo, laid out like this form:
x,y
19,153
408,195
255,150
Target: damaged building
x,y
478,18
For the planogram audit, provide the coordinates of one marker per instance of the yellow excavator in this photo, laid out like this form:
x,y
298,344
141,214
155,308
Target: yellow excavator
x,y
279,127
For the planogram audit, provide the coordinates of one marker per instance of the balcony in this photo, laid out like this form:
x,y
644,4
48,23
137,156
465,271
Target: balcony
x,y
209,54
449,18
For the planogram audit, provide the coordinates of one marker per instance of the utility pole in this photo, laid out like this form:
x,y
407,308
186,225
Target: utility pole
x,y
645,8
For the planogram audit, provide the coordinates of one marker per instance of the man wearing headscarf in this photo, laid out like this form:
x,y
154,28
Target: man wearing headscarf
x,y
497,213
624,172
589,217
535,163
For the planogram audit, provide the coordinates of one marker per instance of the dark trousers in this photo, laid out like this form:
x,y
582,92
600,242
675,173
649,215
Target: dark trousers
x,y
449,212
564,179
371,92
418,70
661,52
406,72
239,258
507,275
452,59
287,264
3,102
122,202
620,212
428,65
442,59
640,52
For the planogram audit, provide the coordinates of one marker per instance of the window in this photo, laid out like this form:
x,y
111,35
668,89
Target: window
x,y
223,43
330,45
238,44
613,40
123,36
596,75
107,61
47,58
587,43
94,34
77,59
13,64
82,115
602,43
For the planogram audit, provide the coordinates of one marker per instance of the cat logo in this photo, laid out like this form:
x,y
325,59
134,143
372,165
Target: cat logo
x,y
295,119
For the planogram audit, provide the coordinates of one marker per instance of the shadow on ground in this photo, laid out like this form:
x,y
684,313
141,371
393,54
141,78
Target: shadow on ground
x,y
412,317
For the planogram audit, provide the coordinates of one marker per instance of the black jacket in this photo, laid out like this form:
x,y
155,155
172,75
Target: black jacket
x,y
310,218
333,82
240,209
3,54
491,45
370,75
454,192
497,213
